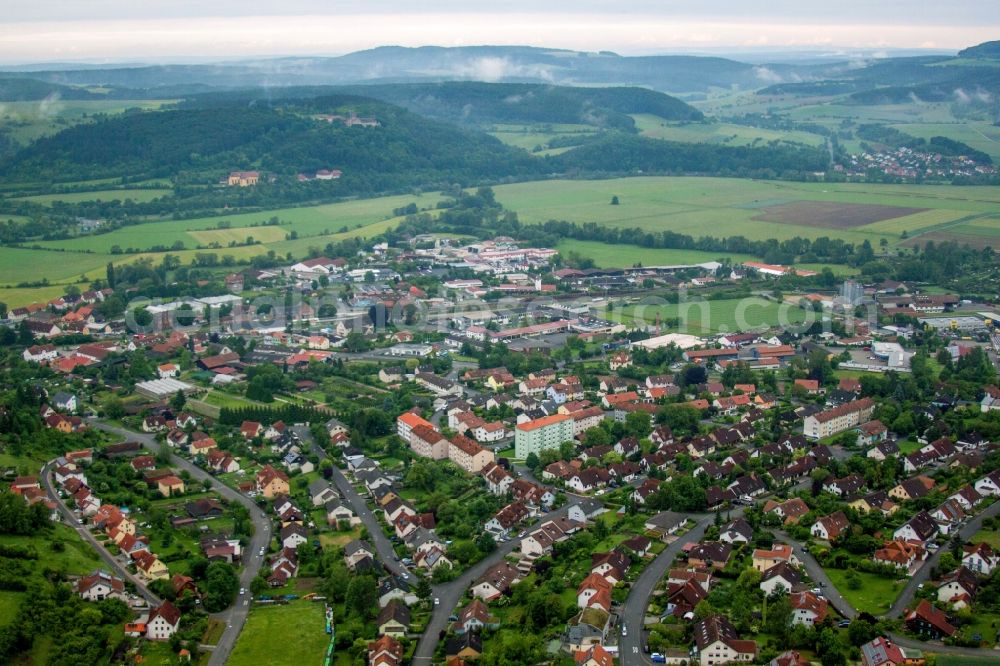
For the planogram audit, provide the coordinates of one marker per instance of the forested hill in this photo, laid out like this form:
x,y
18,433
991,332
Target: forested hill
x,y
473,102
198,144
201,145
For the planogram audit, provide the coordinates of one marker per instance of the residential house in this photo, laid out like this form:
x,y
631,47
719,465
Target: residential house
x,y
716,642
713,554
164,621
829,528
781,576
393,619
386,651
789,511
900,554
929,621
958,589
271,482
495,582
736,531
807,608
920,529
99,586
980,558
765,558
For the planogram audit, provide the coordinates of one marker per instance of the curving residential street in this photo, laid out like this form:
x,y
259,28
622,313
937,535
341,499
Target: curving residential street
x,y
451,593
383,547
88,536
235,616
923,574
819,577
633,611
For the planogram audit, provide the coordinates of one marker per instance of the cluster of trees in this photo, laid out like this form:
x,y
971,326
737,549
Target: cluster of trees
x,y
18,517
287,412
81,633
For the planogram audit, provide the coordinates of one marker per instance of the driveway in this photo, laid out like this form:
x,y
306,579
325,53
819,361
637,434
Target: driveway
x,y
236,615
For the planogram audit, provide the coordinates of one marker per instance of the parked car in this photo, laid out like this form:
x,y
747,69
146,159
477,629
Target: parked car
x,y
657,658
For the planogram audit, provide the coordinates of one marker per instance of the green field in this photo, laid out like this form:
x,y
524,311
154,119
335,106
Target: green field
x,y
17,297
876,594
31,120
315,225
723,134
22,265
293,634
622,256
702,317
311,223
531,137
723,207
139,196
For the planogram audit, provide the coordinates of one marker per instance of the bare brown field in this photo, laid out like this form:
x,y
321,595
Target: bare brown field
x,y
832,215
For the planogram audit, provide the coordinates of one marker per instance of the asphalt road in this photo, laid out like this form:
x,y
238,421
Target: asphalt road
x,y
449,594
70,519
819,577
633,611
905,597
236,615
383,547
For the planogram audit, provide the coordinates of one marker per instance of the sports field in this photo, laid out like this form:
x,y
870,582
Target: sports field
x,y
724,207
625,256
722,316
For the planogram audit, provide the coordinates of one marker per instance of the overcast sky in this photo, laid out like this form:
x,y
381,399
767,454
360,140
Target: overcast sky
x,y
54,30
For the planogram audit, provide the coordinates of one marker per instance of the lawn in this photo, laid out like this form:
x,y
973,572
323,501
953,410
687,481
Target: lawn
x,y
728,315
991,537
875,595
293,634
10,602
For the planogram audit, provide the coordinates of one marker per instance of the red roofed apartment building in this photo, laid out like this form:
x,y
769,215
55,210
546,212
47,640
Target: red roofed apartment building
x,y
840,418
